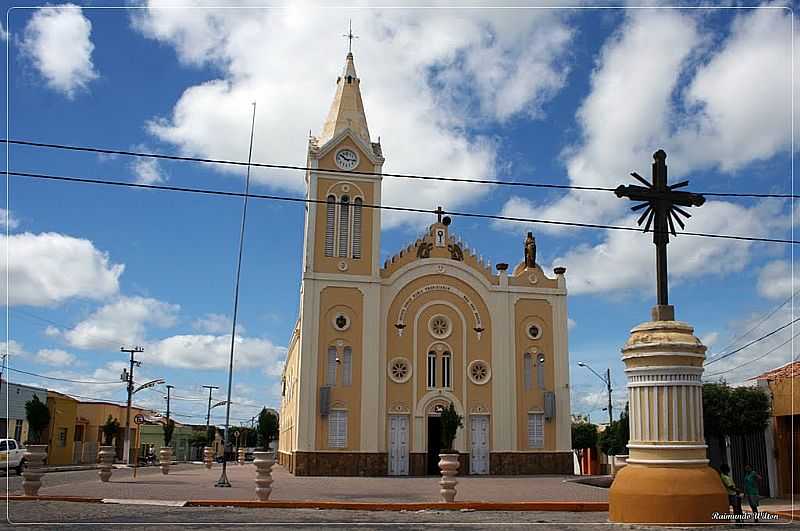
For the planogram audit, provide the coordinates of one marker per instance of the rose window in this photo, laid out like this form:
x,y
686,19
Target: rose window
x,y
399,370
439,326
479,372
534,332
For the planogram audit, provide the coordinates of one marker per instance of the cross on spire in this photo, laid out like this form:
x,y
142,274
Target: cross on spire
x,y
660,202
439,213
350,37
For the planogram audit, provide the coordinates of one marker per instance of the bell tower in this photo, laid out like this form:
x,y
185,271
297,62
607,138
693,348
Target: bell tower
x,y
342,233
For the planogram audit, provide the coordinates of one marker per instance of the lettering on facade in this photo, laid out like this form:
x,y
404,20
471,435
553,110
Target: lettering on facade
x,y
401,318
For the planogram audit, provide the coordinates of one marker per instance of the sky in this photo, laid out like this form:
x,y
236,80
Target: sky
x,y
558,96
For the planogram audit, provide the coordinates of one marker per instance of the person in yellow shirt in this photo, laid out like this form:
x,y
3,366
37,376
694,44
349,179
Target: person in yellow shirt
x,y
734,499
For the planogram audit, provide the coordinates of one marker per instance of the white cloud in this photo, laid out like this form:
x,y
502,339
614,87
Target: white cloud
x,y
48,268
12,349
7,220
48,356
215,323
57,38
121,322
488,66
3,33
710,339
571,323
734,109
775,280
625,259
148,171
204,352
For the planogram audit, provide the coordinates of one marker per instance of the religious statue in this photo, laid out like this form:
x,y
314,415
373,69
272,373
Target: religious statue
x,y
530,251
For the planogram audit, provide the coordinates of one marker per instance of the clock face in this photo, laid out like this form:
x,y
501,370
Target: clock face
x,y
346,159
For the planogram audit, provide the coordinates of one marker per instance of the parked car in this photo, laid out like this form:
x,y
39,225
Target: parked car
x,y
12,455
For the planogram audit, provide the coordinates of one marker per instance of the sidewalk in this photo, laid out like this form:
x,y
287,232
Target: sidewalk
x,y
193,482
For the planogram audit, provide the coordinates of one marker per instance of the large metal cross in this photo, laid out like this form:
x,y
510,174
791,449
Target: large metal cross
x,y
661,202
350,37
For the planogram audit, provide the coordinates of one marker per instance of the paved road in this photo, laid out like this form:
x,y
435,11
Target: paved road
x,y
54,479
63,515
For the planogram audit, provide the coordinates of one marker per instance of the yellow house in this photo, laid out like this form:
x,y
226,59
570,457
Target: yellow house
x,y
379,351
783,383
61,431
92,416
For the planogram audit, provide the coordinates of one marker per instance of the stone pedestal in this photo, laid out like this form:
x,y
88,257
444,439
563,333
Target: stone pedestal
x,y
263,462
208,457
448,464
241,456
667,478
31,476
165,458
106,459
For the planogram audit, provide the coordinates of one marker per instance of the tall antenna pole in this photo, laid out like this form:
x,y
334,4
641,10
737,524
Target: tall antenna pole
x,y
223,479
169,388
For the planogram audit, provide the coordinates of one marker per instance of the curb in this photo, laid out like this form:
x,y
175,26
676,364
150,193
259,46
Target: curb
x,y
559,506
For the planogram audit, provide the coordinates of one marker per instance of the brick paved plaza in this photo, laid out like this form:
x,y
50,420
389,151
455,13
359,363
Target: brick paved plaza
x,y
194,482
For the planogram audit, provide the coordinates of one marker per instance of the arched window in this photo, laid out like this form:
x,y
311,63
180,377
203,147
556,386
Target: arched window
x,y
446,369
540,371
329,225
528,371
431,369
347,366
357,227
330,372
344,226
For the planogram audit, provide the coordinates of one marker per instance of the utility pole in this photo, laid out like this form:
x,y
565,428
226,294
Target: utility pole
x,y
169,387
127,446
608,387
208,415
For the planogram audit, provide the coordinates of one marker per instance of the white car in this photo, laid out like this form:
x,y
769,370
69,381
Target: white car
x,y
12,455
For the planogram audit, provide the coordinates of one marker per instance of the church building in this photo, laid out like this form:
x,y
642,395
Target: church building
x,y
379,350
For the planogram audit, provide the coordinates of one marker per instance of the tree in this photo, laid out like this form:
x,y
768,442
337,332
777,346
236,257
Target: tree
x,y
38,417
169,428
451,421
733,411
614,439
110,429
267,427
584,435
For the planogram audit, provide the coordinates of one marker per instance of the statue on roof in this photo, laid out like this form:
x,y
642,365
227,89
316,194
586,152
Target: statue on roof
x,y
530,251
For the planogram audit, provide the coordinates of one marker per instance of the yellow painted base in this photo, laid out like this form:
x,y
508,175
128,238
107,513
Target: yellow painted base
x,y
668,495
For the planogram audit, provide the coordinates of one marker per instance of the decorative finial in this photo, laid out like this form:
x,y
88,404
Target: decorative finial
x,y
350,38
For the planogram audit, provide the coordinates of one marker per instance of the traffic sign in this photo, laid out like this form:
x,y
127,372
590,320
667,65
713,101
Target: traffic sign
x,y
139,419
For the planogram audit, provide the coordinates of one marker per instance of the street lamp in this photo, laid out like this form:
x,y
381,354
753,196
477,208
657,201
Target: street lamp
x,y
606,380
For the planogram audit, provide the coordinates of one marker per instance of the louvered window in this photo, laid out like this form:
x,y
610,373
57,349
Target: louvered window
x,y
357,228
535,430
329,225
446,369
431,369
347,366
344,226
540,374
337,429
330,373
528,371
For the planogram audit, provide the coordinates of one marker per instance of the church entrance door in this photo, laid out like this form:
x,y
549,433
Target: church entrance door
x,y
479,444
434,444
398,445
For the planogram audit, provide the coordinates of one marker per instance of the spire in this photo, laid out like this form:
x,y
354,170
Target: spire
x,y
347,109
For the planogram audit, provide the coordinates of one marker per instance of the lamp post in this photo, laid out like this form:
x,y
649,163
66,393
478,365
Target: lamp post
x,y
127,446
606,380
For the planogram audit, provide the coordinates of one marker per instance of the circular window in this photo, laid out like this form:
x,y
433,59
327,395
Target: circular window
x,y
341,322
399,370
534,331
439,326
479,372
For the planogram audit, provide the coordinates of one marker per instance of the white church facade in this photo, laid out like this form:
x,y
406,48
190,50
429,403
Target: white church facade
x,y
380,349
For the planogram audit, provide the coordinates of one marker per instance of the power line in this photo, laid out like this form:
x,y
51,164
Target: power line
x,y
759,323
384,207
770,351
61,379
709,362
354,172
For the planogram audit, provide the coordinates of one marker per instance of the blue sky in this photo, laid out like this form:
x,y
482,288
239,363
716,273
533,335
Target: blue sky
x,y
547,95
